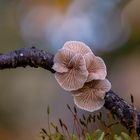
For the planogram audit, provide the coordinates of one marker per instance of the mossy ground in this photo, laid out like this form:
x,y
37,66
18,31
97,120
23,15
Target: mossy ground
x,y
90,127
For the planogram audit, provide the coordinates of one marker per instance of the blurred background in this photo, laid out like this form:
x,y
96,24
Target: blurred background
x,y
110,27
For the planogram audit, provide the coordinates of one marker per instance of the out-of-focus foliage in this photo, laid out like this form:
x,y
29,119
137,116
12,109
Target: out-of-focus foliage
x,y
98,23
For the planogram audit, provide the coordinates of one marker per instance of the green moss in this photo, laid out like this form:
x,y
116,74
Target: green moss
x,y
88,127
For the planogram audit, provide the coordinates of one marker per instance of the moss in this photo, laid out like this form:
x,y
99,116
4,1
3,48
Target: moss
x,y
88,127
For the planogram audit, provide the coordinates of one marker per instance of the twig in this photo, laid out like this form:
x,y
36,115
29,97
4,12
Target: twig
x,y
32,57
123,111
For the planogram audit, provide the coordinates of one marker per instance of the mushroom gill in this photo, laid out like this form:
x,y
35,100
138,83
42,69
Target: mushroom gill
x,y
91,96
72,73
96,67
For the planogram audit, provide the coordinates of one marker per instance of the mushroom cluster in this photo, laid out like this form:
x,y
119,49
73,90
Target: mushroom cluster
x,y
82,73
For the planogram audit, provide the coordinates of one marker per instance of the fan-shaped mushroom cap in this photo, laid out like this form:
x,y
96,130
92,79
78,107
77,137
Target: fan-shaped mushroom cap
x,y
96,67
91,96
61,60
71,72
77,47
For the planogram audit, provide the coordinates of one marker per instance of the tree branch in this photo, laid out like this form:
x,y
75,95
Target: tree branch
x,y
127,114
34,57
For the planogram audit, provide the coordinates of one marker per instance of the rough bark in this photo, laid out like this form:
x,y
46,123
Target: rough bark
x,y
126,113
34,57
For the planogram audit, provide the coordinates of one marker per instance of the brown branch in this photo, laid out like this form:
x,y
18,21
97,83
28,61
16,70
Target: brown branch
x,y
39,58
126,113
32,57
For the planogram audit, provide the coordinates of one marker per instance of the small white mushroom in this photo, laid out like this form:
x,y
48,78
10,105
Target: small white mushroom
x,y
71,72
96,67
77,47
91,96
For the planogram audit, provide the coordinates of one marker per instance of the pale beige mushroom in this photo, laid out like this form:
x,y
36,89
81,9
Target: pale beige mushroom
x,y
91,96
77,47
61,60
96,67
60,68
71,72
